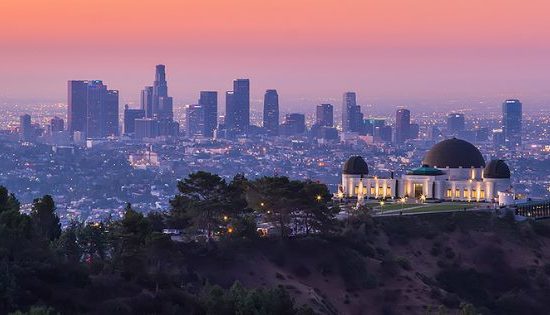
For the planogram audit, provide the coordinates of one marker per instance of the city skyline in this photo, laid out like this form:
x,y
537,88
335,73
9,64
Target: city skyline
x,y
393,52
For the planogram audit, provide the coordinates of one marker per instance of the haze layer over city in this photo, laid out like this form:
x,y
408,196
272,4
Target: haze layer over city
x,y
414,53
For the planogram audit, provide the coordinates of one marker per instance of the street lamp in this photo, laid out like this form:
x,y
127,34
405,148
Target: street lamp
x,y
318,197
381,206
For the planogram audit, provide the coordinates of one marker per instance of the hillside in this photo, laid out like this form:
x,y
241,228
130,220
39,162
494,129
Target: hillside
x,y
400,265
463,262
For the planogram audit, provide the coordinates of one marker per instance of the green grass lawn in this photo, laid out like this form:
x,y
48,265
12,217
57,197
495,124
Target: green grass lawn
x,y
411,208
441,207
393,206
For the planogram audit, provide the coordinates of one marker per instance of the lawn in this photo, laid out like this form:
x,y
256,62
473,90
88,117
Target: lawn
x,y
442,207
393,206
412,208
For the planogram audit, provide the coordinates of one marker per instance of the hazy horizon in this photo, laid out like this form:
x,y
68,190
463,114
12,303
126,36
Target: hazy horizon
x,y
396,52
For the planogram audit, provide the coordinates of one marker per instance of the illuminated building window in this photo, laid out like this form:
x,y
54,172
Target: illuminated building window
x,y
457,193
388,191
372,190
356,190
449,193
482,194
466,193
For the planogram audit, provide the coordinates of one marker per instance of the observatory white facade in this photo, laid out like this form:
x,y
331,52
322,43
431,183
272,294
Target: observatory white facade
x,y
453,170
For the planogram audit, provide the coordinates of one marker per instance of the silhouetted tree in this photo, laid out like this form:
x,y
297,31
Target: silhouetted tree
x,y
68,245
161,252
314,212
92,240
156,221
203,200
128,239
277,198
45,220
244,226
8,201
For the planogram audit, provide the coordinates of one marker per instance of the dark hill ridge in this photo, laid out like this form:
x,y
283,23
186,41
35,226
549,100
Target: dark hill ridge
x,y
400,265
469,261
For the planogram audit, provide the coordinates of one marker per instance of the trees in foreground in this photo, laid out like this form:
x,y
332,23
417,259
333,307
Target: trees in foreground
x,y
239,300
98,265
292,205
206,203
125,267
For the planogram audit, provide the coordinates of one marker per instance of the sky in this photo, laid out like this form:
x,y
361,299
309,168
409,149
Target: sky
x,y
392,52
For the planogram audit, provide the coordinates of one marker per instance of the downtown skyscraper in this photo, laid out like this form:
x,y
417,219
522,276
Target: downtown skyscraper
x,y
294,124
195,120
237,107
25,128
155,100
158,108
147,101
352,118
325,115
455,123
93,109
512,122
271,112
130,117
208,100
56,124
402,125
162,103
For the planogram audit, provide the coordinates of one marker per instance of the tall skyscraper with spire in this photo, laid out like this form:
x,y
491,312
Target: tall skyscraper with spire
x,y
162,103
271,112
158,107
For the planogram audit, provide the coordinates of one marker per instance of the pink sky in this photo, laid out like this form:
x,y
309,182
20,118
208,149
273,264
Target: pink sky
x,y
388,51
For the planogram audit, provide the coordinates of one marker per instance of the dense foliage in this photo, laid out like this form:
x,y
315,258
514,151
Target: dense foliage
x,y
128,266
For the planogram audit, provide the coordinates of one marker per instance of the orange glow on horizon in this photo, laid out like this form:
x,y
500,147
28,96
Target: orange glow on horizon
x,y
335,45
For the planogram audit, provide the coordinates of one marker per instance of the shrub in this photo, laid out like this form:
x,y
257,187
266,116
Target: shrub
x,y
468,284
354,270
404,263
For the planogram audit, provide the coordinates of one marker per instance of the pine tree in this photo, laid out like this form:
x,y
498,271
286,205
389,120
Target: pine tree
x,y
45,220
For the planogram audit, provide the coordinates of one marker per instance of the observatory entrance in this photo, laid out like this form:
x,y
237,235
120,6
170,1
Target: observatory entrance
x,y
418,190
